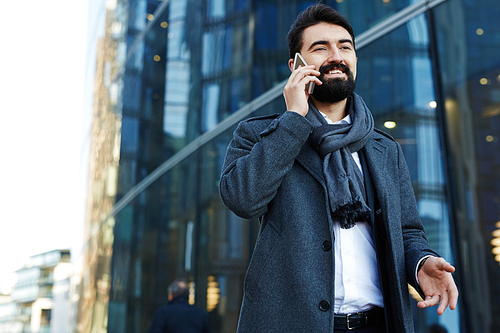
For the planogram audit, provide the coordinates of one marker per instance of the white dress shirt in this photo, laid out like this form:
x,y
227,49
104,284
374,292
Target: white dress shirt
x,y
357,285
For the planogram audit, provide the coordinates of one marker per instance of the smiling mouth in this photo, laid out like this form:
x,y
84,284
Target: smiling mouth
x,y
335,71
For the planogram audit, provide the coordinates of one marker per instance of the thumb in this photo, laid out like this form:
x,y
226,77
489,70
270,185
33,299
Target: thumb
x,y
446,266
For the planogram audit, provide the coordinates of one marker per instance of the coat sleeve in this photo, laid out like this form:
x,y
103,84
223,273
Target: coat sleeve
x,y
415,240
257,160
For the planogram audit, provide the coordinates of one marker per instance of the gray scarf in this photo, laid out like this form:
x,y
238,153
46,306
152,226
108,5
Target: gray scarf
x,y
335,143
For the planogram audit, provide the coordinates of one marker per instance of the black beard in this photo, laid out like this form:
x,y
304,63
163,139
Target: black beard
x,y
334,90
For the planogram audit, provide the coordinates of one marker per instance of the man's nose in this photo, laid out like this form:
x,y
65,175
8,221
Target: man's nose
x,y
334,56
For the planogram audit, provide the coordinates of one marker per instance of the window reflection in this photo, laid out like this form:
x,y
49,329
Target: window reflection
x,y
216,8
469,61
176,45
177,10
423,92
175,120
214,50
266,39
400,90
178,73
137,60
138,14
132,99
130,142
210,106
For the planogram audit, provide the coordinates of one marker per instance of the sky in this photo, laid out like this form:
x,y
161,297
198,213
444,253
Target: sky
x,y
44,128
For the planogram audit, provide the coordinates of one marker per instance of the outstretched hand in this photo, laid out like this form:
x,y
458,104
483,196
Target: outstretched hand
x,y
437,284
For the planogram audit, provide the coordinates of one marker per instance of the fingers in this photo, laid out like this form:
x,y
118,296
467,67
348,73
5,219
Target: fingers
x,y
453,297
306,74
448,267
444,303
435,300
444,265
448,298
295,94
429,301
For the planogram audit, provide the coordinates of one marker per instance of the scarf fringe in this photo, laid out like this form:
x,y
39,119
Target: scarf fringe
x,y
349,214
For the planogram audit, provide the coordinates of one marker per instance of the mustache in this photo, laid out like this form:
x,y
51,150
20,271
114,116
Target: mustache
x,y
329,67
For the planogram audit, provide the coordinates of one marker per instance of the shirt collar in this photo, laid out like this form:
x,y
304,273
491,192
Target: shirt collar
x,y
345,120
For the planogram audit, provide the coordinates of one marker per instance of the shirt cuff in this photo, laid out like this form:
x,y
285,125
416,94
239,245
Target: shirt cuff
x,y
418,265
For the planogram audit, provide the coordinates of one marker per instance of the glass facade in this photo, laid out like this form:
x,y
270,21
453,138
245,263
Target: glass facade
x,y
467,42
174,77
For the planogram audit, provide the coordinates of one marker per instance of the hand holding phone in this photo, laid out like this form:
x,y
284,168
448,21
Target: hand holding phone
x,y
297,62
300,85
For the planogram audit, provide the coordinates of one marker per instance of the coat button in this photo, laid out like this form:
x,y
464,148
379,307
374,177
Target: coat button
x,y
324,305
326,246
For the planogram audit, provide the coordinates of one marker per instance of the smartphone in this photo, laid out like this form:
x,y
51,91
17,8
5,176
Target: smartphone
x,y
299,61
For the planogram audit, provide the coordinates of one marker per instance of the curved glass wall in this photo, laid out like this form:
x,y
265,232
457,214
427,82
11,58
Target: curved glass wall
x,y
467,37
397,81
175,76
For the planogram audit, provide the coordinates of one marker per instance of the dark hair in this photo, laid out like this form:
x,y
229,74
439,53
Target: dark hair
x,y
178,288
313,15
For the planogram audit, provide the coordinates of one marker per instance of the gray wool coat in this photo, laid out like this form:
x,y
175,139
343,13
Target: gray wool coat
x,y
271,173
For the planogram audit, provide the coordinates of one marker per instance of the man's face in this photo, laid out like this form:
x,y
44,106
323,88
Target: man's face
x,y
331,49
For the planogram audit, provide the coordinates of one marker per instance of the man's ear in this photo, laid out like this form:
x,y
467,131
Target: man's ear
x,y
290,64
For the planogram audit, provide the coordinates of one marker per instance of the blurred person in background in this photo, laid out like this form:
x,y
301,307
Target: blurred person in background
x,y
178,316
437,328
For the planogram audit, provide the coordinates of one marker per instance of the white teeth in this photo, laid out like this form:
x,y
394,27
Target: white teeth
x,y
337,71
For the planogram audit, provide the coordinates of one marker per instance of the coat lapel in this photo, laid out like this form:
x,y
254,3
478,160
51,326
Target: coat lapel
x,y
376,158
312,162
375,153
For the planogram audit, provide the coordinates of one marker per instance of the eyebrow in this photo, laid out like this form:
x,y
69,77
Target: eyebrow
x,y
324,42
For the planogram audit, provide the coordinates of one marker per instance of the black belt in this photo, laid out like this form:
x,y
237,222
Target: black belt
x,y
360,319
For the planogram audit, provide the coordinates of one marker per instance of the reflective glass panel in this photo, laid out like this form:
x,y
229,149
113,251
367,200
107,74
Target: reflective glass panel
x,y
468,39
396,80
433,84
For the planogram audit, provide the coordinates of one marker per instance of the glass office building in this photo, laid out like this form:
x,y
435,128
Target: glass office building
x,y
173,79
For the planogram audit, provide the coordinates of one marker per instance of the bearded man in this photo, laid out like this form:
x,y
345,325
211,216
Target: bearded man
x,y
340,235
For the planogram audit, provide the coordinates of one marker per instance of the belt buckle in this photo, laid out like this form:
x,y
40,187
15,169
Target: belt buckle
x,y
348,318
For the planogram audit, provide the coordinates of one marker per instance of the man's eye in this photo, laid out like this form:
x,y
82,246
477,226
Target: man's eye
x,y
320,49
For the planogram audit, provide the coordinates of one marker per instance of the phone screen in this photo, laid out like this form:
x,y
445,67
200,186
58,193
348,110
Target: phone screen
x,y
297,62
